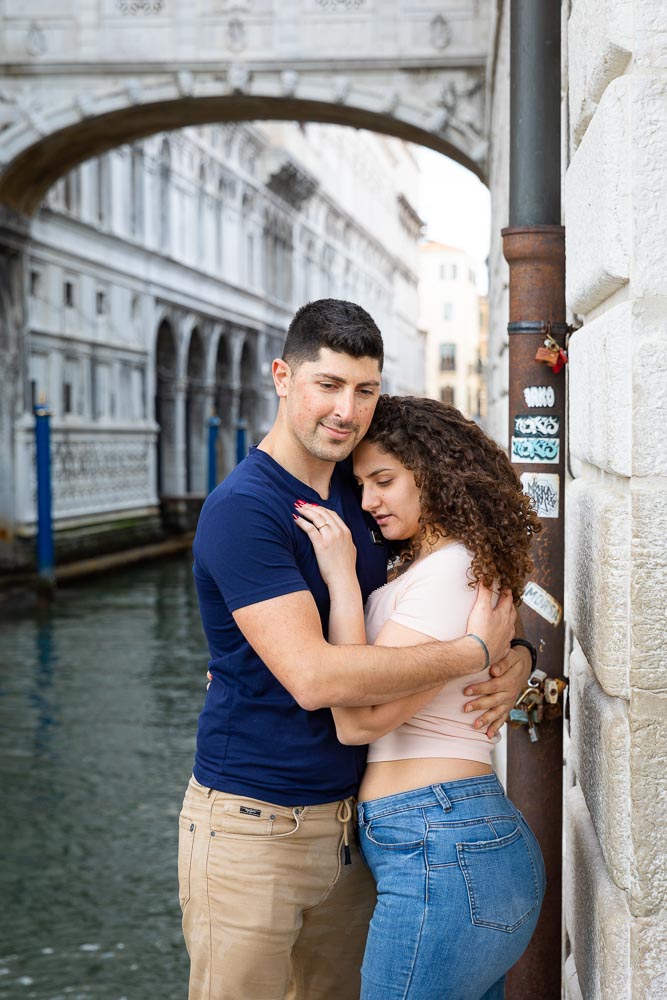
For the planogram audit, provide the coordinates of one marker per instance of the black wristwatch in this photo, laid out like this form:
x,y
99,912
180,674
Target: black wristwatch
x,y
531,649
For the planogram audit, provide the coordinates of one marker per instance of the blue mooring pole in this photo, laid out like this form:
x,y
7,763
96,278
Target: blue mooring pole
x,y
241,445
213,428
45,558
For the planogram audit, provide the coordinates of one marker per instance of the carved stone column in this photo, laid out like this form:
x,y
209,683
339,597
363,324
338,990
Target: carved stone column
x,y
227,407
172,396
265,398
200,407
227,398
12,321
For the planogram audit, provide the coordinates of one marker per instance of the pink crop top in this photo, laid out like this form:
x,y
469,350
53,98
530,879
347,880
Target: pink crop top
x,y
432,597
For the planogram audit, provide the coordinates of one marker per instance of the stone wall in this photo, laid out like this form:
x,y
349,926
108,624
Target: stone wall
x,y
615,871
614,198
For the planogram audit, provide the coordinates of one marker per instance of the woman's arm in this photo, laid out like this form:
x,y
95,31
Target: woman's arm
x,y
337,560
336,557
363,725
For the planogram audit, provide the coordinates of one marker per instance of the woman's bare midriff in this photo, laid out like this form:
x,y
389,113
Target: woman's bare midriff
x,y
389,777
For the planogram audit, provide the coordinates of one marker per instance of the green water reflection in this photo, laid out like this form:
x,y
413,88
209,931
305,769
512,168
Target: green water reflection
x,y
99,698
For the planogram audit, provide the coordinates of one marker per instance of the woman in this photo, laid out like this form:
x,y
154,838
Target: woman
x,y
459,873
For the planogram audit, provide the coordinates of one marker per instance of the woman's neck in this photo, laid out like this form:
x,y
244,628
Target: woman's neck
x,y
424,546
431,543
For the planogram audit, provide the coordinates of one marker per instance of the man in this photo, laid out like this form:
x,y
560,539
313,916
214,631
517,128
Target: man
x,y
270,908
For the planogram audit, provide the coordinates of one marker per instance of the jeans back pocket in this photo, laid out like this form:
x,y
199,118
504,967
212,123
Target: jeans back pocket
x,y
501,880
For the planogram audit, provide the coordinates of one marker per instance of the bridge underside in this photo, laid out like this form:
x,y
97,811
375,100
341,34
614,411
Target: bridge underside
x,y
79,82
32,171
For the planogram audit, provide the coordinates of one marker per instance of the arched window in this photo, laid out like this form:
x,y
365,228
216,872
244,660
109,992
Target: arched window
x,y
164,196
269,262
308,268
219,222
72,191
286,261
137,191
447,357
195,416
102,190
248,239
168,463
250,258
201,213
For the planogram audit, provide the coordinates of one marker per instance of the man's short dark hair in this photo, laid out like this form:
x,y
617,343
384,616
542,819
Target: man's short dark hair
x,y
341,326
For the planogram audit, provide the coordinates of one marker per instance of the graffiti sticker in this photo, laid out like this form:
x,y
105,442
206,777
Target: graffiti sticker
x,y
539,395
543,488
542,603
527,425
535,451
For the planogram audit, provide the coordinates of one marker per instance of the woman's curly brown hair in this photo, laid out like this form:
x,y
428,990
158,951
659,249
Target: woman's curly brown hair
x,y
469,490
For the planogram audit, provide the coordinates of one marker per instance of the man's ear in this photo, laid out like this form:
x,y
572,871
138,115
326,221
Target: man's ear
x,y
282,373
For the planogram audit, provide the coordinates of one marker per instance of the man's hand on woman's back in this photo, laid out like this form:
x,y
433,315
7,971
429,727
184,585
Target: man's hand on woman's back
x,y
495,625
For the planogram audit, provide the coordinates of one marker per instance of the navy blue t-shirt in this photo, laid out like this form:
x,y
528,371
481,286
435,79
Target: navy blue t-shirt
x,y
253,738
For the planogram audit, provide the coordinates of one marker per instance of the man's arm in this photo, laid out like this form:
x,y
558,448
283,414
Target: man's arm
x,y
336,558
286,633
497,696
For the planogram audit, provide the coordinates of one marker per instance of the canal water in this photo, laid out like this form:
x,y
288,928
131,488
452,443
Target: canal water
x,y
99,697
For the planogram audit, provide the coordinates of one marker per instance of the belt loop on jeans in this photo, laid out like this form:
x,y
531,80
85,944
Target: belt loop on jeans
x,y
441,797
201,788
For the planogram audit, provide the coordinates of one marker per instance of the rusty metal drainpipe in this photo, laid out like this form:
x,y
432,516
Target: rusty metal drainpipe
x,y
534,247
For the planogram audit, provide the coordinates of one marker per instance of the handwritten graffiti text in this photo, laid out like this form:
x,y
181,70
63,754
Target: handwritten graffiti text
x,y
542,603
543,489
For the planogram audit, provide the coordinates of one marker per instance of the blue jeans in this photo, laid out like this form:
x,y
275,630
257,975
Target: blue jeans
x,y
460,882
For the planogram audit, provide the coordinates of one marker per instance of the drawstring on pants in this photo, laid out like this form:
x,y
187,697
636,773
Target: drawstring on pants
x,y
344,815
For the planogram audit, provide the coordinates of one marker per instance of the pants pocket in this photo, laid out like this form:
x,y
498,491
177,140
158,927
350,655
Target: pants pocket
x,y
398,830
236,818
186,839
501,881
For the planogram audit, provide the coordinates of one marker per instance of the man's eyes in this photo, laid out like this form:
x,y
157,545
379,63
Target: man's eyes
x,y
369,393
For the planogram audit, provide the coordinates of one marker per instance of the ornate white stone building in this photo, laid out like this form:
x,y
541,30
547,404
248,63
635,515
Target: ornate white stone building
x,y
161,279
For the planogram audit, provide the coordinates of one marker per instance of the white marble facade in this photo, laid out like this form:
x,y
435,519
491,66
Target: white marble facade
x,y
614,127
161,278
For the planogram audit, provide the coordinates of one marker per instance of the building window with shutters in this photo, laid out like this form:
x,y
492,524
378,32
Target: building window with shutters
x,y
447,357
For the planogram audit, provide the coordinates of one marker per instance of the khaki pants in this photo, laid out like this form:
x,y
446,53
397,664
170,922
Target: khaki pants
x,y
270,912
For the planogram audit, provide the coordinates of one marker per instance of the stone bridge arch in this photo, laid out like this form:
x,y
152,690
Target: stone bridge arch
x,y
101,76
